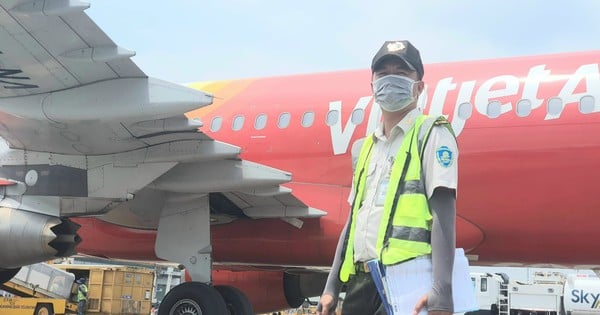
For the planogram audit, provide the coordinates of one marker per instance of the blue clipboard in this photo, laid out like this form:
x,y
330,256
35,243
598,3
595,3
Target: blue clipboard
x,y
378,274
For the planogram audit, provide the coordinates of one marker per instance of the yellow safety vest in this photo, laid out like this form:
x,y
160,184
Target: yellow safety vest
x,y
82,291
408,235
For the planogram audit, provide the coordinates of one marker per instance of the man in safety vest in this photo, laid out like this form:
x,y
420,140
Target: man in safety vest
x,y
82,294
403,192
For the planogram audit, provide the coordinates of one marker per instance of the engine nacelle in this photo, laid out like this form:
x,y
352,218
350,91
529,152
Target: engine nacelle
x,y
270,291
27,238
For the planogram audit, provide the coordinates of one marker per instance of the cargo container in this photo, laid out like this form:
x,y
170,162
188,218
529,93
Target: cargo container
x,y
115,289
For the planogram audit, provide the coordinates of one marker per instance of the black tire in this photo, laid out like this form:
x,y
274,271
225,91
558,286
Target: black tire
x,y
7,274
494,309
193,298
236,301
44,309
292,291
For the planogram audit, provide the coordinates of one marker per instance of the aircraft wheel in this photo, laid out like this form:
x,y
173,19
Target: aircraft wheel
x,y
236,301
7,274
192,298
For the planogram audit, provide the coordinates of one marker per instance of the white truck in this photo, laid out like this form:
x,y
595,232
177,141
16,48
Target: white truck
x,y
548,294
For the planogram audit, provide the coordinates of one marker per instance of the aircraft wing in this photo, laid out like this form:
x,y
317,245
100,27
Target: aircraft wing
x,y
52,45
66,87
70,97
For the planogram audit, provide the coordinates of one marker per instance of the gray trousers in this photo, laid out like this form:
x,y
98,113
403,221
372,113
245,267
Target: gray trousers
x,y
81,307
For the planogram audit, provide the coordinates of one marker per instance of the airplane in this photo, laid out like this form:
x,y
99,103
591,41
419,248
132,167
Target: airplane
x,y
248,190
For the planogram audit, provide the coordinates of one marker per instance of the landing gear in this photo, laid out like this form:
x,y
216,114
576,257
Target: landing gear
x,y
193,298
7,274
184,237
237,303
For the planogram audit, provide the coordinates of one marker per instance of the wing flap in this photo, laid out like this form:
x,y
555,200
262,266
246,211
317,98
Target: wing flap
x,y
219,176
283,205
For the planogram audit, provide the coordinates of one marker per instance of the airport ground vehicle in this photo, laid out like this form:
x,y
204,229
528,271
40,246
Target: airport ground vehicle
x,y
38,289
49,289
548,294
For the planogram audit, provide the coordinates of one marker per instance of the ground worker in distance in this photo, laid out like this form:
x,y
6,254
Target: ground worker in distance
x,y
82,295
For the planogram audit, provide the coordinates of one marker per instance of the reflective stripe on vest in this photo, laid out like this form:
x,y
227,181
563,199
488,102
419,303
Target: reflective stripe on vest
x,y
408,234
82,292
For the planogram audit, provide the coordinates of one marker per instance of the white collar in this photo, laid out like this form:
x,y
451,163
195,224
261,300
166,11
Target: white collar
x,y
403,126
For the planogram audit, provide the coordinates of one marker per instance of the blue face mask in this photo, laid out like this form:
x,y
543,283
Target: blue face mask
x,y
393,92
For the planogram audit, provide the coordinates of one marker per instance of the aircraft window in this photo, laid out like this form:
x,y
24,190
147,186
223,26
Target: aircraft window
x,y
587,104
260,122
216,123
494,109
555,106
483,284
465,110
358,115
238,123
332,117
284,120
523,108
308,119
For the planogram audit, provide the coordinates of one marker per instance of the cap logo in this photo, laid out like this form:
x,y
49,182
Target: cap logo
x,y
395,46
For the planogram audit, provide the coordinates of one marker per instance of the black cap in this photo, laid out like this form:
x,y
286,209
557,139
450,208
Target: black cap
x,y
402,49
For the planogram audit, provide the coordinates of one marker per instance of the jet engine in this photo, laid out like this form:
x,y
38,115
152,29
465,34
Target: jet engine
x,y
27,238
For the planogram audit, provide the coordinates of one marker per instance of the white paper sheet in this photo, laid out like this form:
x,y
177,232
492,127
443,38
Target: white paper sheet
x,y
409,281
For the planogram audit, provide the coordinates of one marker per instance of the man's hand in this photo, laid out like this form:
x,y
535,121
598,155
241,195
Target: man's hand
x,y
422,303
326,305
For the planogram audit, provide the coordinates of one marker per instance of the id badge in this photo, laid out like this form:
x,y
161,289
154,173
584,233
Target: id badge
x,y
381,192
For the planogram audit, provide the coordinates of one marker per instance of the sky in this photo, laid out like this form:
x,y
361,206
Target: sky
x,y
192,40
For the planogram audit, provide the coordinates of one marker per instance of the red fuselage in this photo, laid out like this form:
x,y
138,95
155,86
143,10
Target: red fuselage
x,y
527,191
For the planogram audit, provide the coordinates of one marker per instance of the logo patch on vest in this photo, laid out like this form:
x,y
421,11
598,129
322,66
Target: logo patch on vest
x,y
444,156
